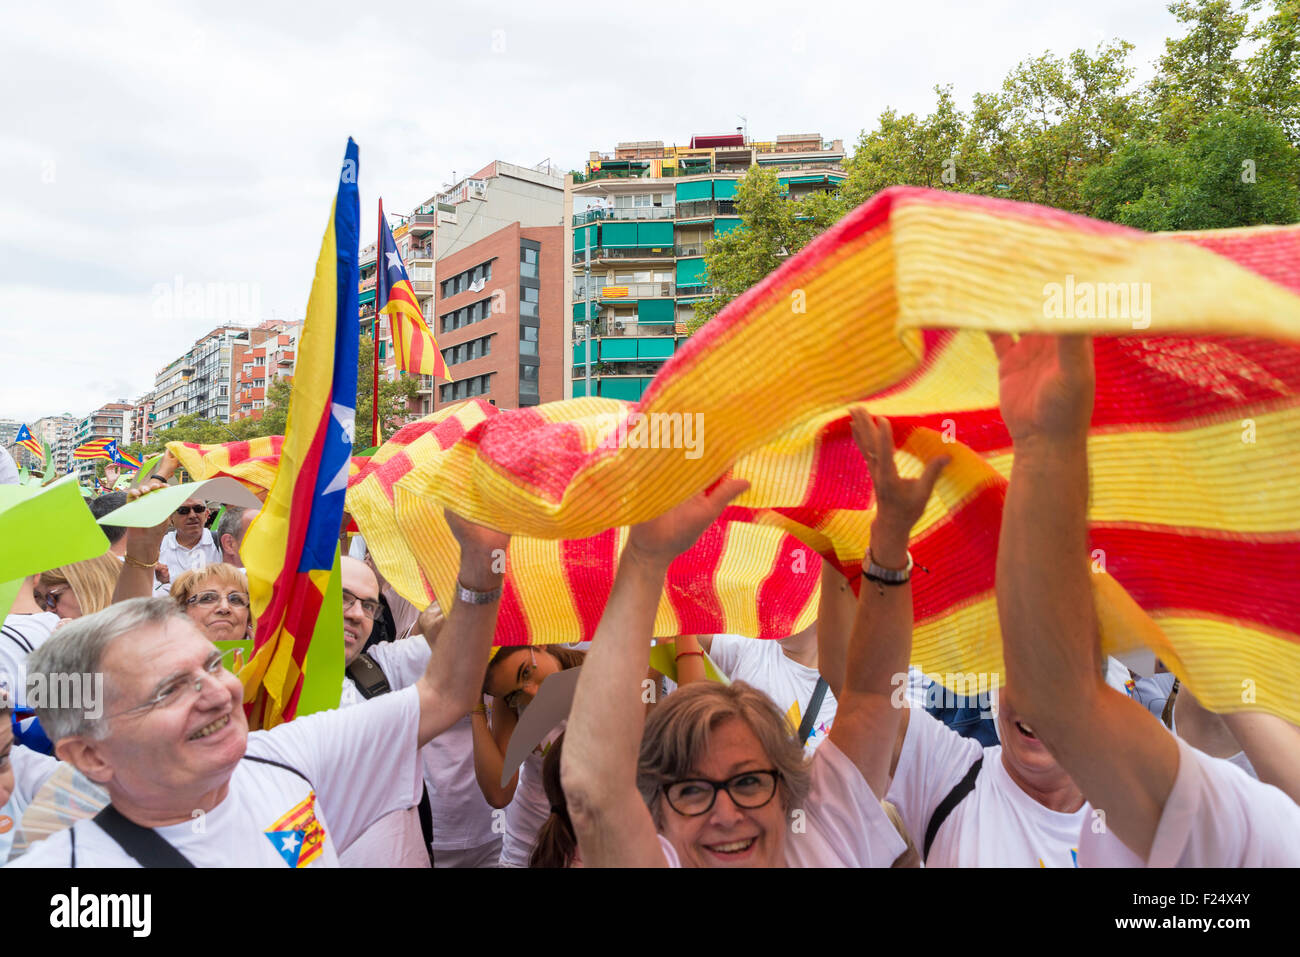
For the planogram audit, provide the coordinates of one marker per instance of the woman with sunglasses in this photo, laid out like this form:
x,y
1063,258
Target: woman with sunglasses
x,y
512,681
216,599
82,588
715,778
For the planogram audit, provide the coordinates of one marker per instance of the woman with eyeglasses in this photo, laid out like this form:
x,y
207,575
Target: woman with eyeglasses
x,y
216,599
714,777
82,588
513,678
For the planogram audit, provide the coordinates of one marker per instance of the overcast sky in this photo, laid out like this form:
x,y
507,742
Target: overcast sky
x,y
146,144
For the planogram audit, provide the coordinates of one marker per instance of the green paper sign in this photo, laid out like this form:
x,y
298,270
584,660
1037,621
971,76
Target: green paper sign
x,y
154,508
43,528
663,660
322,671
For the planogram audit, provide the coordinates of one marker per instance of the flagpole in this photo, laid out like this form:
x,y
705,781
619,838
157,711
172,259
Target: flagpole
x,y
374,399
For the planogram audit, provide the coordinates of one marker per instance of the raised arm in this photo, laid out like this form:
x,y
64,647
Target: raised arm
x,y
1272,745
452,683
1113,748
490,744
142,547
867,724
603,740
837,608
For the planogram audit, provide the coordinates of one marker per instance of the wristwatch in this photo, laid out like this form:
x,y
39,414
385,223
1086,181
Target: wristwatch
x,y
888,576
471,597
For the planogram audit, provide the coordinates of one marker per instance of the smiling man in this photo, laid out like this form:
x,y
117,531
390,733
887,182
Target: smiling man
x,y
189,784
189,544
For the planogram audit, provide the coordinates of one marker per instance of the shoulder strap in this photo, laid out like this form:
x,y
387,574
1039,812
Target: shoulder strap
x,y
283,767
962,788
14,635
143,843
72,838
368,676
814,706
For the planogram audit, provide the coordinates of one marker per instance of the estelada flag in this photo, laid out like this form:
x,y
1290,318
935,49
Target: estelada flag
x,y
415,349
291,550
24,438
96,449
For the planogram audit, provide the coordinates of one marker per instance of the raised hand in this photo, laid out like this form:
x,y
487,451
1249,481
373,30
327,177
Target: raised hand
x,y
900,502
482,552
662,539
1045,385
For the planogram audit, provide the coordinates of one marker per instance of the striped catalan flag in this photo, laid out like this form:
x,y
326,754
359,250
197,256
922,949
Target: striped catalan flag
x,y
291,550
414,347
97,449
128,460
24,438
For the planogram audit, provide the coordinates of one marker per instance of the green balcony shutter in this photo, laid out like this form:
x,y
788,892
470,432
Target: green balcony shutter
x,y
654,311
691,192
627,389
365,297
690,272
654,348
654,235
616,349
579,240
721,226
724,189
618,235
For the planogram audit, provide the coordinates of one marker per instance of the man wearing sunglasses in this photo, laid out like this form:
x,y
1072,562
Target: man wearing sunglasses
x,y
188,545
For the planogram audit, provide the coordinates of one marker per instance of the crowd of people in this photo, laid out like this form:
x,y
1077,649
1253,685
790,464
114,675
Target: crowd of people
x,y
802,756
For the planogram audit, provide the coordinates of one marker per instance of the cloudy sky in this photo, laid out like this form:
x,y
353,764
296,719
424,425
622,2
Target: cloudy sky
x,y
145,147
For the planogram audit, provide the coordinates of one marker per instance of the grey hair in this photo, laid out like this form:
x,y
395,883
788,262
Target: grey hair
x,y
229,524
77,649
677,738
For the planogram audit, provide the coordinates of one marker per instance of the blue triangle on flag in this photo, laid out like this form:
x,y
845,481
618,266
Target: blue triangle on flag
x,y
288,844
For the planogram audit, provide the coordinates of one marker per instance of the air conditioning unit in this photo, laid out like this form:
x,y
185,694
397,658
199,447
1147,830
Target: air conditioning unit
x,y
620,325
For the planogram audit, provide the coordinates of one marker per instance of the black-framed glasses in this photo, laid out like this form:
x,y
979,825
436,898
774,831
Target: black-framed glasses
x,y
369,607
748,789
186,509
237,599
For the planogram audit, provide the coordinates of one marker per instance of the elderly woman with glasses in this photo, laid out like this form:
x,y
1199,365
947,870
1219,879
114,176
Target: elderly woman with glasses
x,y
216,599
715,778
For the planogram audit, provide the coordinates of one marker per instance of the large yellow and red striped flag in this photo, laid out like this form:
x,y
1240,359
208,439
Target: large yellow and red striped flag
x,y
414,347
1194,447
291,550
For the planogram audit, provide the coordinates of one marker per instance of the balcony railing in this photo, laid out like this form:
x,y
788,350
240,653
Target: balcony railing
x,y
624,213
423,252
690,249
613,252
635,290
706,207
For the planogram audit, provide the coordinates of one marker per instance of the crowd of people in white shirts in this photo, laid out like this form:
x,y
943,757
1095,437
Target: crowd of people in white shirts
x,y
799,756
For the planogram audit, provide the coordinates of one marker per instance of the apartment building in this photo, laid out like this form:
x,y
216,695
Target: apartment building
x,y
60,432
268,355
639,220
110,421
198,382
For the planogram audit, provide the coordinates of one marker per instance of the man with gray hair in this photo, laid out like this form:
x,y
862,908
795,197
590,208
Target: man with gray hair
x,y
231,531
190,786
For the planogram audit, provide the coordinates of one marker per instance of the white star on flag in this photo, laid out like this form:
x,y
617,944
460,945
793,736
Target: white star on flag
x,y
290,843
394,261
346,417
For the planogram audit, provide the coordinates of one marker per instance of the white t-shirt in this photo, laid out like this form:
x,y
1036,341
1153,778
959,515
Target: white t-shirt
x,y
395,840
180,559
789,684
529,808
844,824
996,825
462,817
31,771
361,763
1215,816
20,636
1239,759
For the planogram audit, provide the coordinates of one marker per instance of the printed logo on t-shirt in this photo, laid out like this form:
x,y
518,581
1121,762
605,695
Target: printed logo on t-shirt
x,y
1074,858
6,824
794,716
298,836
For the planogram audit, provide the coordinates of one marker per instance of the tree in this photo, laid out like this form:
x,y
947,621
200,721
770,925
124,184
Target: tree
x,y
1233,169
1272,74
1199,74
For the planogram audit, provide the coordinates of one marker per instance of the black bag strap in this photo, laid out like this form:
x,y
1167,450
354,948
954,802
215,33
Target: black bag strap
x,y
143,843
814,707
368,676
962,788
283,767
72,839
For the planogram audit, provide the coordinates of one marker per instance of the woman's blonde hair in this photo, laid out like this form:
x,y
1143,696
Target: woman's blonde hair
x,y
92,581
677,737
190,583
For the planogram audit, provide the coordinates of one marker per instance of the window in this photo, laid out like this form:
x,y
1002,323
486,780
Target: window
x,y
528,294
463,281
527,262
528,340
